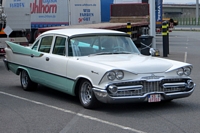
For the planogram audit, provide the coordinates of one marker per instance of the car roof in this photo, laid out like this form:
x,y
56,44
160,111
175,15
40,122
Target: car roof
x,y
81,31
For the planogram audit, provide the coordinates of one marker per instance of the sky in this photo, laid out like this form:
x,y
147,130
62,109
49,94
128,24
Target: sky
x,y
180,1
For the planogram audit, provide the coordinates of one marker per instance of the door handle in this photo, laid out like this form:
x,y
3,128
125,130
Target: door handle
x,y
47,58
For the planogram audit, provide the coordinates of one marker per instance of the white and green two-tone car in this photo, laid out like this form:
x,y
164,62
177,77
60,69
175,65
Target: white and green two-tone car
x,y
98,65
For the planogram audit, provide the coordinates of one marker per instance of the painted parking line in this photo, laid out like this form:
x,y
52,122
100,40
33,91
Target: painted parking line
x,y
74,113
185,57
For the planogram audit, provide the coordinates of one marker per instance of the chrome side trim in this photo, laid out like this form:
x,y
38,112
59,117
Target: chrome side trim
x,y
6,64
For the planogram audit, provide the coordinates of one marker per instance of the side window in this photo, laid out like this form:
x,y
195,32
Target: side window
x,y
59,46
35,45
45,44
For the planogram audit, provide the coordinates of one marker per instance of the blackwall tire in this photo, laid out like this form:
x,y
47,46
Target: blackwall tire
x,y
26,82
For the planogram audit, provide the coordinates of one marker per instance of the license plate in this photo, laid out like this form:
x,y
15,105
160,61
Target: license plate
x,y
154,98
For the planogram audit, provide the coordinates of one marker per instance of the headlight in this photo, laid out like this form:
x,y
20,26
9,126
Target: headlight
x,y
119,75
180,72
115,74
184,71
111,75
187,71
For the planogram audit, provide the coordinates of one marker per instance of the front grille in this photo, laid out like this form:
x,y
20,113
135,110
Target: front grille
x,y
148,87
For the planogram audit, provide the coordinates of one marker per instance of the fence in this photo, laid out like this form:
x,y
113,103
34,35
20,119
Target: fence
x,y
187,21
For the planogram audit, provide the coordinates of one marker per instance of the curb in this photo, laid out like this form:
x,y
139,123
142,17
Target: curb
x,y
186,29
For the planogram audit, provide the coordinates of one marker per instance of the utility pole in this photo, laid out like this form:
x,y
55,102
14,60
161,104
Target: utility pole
x,y
152,22
197,12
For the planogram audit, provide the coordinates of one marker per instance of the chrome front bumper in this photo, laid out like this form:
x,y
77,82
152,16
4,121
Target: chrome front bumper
x,y
103,96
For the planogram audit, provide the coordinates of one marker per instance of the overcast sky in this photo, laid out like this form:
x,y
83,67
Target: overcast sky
x,y
179,1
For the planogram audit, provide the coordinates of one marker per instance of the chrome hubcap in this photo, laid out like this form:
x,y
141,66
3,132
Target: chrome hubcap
x,y
86,93
24,79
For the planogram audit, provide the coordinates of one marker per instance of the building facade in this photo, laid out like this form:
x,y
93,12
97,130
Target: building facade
x,y
184,14
177,10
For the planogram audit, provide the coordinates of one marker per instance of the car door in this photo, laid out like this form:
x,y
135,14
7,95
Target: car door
x,y
39,64
56,66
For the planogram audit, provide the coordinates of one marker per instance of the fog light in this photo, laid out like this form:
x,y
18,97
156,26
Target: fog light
x,y
112,89
190,84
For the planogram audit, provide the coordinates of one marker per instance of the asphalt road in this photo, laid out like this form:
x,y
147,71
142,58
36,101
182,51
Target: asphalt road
x,y
49,111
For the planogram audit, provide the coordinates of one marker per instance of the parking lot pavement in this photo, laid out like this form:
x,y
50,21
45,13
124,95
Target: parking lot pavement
x,y
181,44
1,57
46,110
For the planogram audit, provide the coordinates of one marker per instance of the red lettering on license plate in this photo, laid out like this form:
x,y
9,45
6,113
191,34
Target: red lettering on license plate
x,y
154,98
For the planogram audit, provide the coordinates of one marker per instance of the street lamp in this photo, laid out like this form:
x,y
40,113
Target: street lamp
x,y
152,22
197,12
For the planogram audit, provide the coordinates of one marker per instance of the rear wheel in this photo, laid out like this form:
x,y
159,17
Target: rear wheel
x,y
86,95
26,82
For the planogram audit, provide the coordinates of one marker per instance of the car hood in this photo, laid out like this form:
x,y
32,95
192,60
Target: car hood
x,y
131,62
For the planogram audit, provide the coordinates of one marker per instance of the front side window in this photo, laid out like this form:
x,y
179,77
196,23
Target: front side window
x,y
59,46
102,44
45,44
35,46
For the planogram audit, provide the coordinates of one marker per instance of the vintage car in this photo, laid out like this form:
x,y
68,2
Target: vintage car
x,y
98,65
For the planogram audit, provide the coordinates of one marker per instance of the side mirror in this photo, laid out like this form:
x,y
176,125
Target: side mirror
x,y
152,51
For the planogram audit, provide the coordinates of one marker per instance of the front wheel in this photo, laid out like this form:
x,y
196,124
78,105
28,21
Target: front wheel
x,y
86,95
26,82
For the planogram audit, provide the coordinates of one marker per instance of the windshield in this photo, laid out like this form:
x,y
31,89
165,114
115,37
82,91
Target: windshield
x,y
96,45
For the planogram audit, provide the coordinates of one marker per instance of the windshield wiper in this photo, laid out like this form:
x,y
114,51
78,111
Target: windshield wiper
x,y
102,53
107,53
122,52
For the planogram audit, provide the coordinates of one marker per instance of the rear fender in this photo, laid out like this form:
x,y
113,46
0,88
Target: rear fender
x,y
20,68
